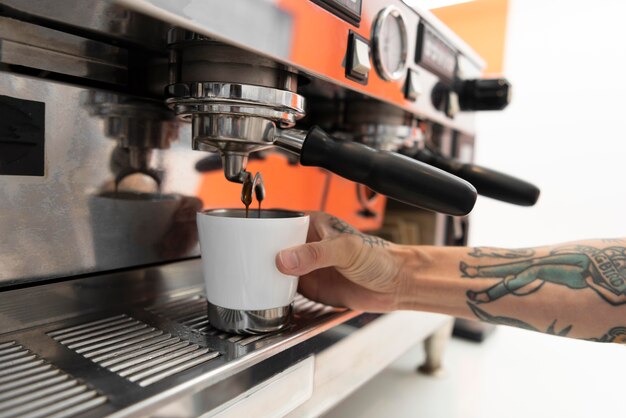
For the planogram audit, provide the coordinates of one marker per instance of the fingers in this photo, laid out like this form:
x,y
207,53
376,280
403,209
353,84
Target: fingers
x,y
336,252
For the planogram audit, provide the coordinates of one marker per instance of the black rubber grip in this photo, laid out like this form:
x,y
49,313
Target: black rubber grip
x,y
490,183
390,174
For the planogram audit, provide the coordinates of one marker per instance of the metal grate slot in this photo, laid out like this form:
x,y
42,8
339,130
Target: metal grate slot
x,y
304,307
190,311
32,387
133,349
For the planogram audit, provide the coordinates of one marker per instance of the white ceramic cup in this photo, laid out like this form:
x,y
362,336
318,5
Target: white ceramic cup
x,y
239,260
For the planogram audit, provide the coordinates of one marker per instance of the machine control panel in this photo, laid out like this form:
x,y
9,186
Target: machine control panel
x,y
358,64
434,54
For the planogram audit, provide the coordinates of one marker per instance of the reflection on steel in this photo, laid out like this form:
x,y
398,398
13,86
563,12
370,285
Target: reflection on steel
x,y
31,386
67,223
34,46
210,97
153,346
191,312
132,349
103,17
139,126
241,321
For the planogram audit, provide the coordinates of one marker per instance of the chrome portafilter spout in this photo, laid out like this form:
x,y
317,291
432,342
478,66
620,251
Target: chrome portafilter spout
x,y
240,103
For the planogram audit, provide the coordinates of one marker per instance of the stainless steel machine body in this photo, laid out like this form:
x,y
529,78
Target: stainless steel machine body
x,y
81,163
102,309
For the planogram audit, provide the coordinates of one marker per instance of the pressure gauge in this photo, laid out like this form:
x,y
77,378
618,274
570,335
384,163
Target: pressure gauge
x,y
389,38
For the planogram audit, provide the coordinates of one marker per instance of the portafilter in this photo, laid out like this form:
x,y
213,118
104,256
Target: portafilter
x,y
387,127
239,103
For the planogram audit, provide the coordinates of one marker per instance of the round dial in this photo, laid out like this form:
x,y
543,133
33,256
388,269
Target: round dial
x,y
390,44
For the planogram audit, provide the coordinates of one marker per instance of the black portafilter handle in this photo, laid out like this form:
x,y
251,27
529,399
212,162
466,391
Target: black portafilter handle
x,y
490,183
389,173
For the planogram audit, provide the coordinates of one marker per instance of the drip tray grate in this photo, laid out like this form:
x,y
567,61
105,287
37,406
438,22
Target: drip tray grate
x,y
132,349
191,312
32,387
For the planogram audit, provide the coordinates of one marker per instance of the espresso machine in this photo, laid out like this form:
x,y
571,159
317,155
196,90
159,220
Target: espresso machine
x,y
108,110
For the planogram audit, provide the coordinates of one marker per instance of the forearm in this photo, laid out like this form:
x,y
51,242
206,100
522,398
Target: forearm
x,y
575,289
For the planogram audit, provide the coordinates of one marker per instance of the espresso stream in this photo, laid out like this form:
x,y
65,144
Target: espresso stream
x,y
251,185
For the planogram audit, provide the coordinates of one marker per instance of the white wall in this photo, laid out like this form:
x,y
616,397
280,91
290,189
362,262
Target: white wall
x,y
564,129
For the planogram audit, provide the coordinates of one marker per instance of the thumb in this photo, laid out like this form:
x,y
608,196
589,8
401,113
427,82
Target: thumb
x,y
305,258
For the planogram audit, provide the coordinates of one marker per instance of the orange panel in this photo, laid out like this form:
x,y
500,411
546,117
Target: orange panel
x,y
322,23
294,187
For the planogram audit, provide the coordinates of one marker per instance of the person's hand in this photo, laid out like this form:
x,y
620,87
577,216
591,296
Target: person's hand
x,y
340,266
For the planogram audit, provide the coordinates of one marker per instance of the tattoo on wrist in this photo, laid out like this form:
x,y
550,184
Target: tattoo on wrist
x,y
345,228
575,267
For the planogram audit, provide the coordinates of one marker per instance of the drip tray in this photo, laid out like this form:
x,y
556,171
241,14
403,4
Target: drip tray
x,y
136,357
32,387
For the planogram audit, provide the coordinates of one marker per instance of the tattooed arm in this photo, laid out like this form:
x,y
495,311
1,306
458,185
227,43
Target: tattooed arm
x,y
576,290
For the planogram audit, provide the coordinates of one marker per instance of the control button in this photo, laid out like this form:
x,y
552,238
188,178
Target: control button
x,y
358,58
413,86
445,99
453,104
361,58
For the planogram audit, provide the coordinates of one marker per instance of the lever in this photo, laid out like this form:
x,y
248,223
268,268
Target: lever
x,y
387,173
490,183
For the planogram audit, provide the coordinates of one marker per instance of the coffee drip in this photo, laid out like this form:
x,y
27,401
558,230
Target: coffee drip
x,y
253,185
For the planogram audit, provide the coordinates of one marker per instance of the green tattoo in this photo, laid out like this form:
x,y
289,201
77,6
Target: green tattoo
x,y
575,267
345,228
501,253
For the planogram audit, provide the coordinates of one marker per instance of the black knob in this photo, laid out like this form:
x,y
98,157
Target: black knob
x,y
485,94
